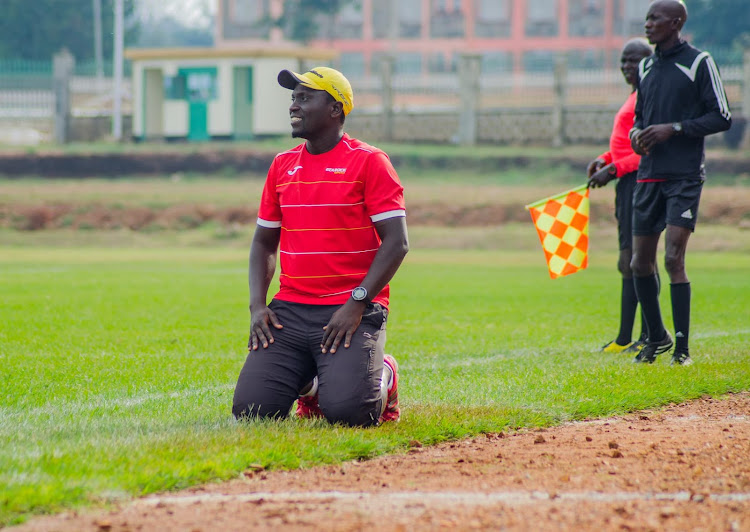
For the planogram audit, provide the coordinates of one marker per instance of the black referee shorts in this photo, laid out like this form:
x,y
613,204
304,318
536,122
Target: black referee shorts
x,y
348,380
662,203
624,209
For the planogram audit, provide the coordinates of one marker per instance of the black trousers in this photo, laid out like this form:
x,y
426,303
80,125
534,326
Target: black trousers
x,y
348,380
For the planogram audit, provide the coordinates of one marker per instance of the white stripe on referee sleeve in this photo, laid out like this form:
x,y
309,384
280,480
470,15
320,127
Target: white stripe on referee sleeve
x,y
268,223
718,88
390,214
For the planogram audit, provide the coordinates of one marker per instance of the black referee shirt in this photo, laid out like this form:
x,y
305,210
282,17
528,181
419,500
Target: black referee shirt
x,y
681,84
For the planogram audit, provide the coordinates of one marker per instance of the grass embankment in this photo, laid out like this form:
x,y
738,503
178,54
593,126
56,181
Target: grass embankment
x,y
447,198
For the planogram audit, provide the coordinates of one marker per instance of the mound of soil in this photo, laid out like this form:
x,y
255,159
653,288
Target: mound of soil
x,y
724,208
136,218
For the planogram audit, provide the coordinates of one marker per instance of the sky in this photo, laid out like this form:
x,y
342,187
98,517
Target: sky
x,y
192,13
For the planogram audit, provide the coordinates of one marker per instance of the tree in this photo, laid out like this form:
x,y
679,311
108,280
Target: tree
x,y
718,23
40,28
300,18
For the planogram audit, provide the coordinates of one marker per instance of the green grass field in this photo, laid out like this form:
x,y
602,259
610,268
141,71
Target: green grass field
x,y
117,363
119,349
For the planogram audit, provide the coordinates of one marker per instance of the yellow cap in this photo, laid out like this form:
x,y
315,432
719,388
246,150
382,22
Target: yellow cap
x,y
322,79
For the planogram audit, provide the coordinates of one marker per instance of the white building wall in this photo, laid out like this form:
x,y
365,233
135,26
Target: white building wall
x,y
271,101
137,100
220,109
176,115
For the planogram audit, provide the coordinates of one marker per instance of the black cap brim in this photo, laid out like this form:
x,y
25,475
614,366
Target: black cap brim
x,y
288,80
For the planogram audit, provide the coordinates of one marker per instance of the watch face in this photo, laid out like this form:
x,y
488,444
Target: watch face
x,y
359,293
677,126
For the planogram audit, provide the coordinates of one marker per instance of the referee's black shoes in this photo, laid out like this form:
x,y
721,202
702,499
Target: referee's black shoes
x,y
681,358
653,349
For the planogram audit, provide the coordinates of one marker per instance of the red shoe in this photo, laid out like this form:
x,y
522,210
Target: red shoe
x,y
392,412
307,407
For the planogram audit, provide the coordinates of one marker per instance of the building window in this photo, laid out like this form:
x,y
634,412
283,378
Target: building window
x,y
586,18
497,62
175,87
539,61
586,59
346,24
201,86
493,18
381,22
350,21
409,14
408,63
352,64
630,16
191,85
437,62
410,19
541,18
446,19
247,11
245,19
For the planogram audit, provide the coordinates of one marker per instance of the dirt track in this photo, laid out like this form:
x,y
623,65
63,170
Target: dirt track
x,y
684,467
719,205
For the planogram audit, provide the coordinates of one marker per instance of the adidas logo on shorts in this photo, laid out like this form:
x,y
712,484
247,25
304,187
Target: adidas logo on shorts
x,y
687,214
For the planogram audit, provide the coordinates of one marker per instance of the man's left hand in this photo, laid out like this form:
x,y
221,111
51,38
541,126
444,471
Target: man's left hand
x,y
342,325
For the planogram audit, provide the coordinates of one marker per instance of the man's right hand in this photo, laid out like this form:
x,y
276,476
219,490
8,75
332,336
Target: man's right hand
x,y
603,176
594,166
260,332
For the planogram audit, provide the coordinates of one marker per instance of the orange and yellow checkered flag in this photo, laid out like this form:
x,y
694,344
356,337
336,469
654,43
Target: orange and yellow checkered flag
x,y
562,222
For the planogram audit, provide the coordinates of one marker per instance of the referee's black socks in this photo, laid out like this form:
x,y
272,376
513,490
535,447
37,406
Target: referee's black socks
x,y
628,306
680,293
647,289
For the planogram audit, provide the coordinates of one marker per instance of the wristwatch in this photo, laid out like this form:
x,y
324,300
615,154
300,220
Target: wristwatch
x,y
612,170
359,294
677,128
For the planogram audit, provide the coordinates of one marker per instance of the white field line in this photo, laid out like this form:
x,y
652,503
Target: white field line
x,y
527,352
7,414
719,334
103,403
513,498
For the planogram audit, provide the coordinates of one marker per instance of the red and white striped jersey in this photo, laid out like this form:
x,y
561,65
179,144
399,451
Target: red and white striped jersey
x,y
326,206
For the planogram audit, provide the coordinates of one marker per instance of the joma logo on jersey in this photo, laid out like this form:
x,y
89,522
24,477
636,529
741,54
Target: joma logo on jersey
x,y
336,170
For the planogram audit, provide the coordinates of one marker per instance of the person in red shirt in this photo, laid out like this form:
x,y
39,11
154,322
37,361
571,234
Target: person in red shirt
x,y
621,163
333,212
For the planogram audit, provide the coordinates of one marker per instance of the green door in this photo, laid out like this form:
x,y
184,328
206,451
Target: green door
x,y
198,120
200,84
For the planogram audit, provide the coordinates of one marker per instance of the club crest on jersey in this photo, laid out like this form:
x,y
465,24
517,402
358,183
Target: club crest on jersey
x,y
336,170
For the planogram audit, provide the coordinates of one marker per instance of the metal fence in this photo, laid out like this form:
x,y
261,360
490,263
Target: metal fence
x,y
26,89
566,104
563,106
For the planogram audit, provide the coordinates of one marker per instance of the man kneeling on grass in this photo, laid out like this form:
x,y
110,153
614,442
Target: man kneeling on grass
x,y
334,209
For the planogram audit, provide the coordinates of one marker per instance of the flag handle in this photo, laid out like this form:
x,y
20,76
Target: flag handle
x,y
545,200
